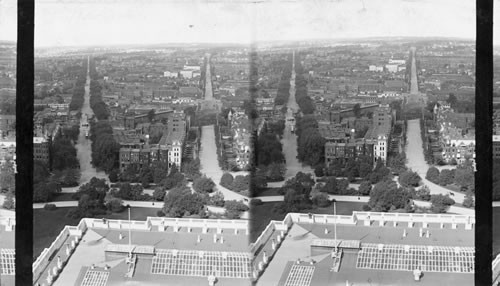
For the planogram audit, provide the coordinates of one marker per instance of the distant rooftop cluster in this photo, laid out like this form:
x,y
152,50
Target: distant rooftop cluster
x,y
241,132
456,133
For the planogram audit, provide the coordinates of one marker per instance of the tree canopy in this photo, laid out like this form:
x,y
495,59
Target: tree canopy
x,y
386,196
180,202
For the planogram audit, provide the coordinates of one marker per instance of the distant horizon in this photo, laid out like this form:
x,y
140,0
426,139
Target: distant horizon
x,y
276,42
92,23
107,22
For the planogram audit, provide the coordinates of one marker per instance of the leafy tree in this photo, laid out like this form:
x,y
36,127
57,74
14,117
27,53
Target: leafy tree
x,y
63,153
96,189
151,115
130,192
40,172
130,173
159,193
311,147
294,201
365,170
173,180
181,202
397,164
269,149
452,100
113,175
464,177
331,186
424,193
356,109
380,173
433,175
45,191
321,200
192,169
319,170
387,196
7,177
276,172
446,177
234,209
240,183
203,185
8,202
115,205
160,171
105,149
469,200
364,188
226,180
258,180
302,183
409,178
217,199
441,203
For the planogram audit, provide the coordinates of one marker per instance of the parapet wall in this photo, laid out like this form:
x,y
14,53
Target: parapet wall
x,y
41,263
368,218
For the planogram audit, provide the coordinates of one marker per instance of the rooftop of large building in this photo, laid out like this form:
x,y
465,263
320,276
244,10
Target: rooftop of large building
x,y
382,249
165,250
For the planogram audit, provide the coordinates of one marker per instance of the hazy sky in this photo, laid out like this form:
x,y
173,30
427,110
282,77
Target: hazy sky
x,y
105,22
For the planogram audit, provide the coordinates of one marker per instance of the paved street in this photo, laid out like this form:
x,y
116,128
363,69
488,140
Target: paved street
x,y
208,81
414,81
292,103
415,95
289,141
83,148
416,160
210,165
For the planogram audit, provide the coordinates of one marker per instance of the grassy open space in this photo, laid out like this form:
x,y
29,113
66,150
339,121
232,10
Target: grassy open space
x,y
268,192
263,214
48,224
62,197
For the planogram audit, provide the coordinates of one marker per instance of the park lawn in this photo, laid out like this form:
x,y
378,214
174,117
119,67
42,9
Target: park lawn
x,y
62,197
453,187
262,214
268,192
48,224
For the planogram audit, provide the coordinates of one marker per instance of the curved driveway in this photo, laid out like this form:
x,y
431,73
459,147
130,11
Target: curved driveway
x,y
417,163
209,164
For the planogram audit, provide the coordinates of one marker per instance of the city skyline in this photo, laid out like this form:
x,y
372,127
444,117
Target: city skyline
x,y
238,22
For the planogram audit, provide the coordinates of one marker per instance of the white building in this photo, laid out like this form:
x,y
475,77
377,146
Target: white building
x,y
59,105
175,153
375,68
170,74
380,148
192,68
398,62
186,73
392,67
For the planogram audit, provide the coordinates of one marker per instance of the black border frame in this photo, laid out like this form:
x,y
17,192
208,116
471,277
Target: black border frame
x,y
484,156
24,142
